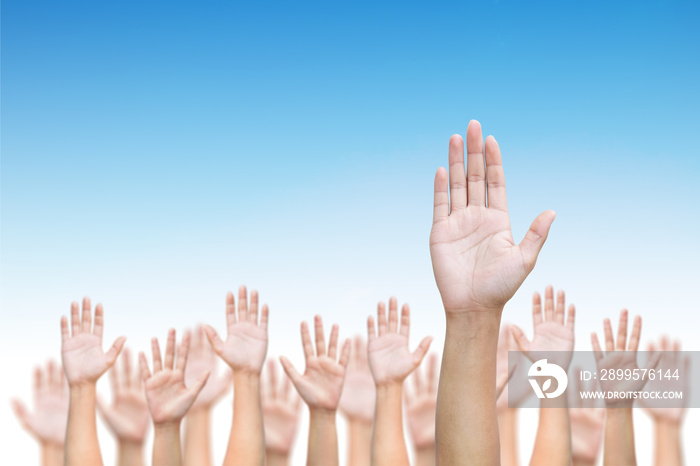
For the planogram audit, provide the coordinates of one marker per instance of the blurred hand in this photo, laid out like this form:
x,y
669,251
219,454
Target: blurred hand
x,y
587,424
47,423
246,342
420,404
281,412
83,358
477,264
510,397
127,417
389,357
322,383
670,361
359,392
167,396
551,334
201,360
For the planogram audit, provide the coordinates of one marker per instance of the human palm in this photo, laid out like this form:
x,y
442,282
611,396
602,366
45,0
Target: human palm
x,y
587,426
476,263
281,412
359,392
421,403
202,359
671,362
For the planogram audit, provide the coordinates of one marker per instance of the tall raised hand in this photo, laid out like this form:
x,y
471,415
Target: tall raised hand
x,y
47,422
391,361
320,387
168,397
281,414
84,362
420,404
478,267
127,416
244,351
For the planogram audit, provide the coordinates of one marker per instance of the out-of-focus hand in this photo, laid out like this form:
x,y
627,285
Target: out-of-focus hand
x,y
389,357
201,360
359,392
477,265
587,424
670,361
420,404
167,396
551,334
127,417
506,369
322,383
246,342
81,348
47,423
281,412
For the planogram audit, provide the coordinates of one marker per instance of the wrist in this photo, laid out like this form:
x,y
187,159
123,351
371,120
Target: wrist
x,y
246,378
474,313
131,445
82,387
389,388
324,415
667,425
276,458
167,426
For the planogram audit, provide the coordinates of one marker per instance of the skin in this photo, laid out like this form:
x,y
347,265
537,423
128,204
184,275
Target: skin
x,y
357,404
47,422
552,334
320,387
202,359
84,362
587,424
478,268
281,414
244,351
390,362
168,397
127,416
619,427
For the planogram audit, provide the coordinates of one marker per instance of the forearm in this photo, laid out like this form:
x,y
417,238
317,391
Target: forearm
x,y
323,439
167,450
553,440
619,438
82,446
246,443
667,438
388,445
508,433
197,435
130,454
51,454
425,456
467,425
274,458
360,442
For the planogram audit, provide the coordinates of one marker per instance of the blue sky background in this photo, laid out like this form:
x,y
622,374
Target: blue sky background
x,y
156,155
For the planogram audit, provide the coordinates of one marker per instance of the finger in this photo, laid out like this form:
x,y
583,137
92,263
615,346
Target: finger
x,y
609,342
653,361
126,363
393,315
242,304
114,380
99,320
432,382
418,384
536,309
520,339
597,351
170,350
286,388
405,320
320,338
264,316
65,333
253,313
20,411
87,316
333,343
457,174
50,372
441,199
38,384
476,170
561,307
306,341
636,334
345,354
291,372
622,331
183,351
535,237
114,350
420,352
198,385
381,318
143,365
371,330
216,343
571,317
230,311
272,376
75,318
548,303
496,180
577,398
157,361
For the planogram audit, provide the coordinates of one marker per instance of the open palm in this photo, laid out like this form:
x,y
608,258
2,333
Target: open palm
x,y
476,263
359,392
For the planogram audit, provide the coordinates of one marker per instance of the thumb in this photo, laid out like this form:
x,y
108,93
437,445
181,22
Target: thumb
x,y
198,384
114,351
520,339
535,237
21,412
290,371
420,352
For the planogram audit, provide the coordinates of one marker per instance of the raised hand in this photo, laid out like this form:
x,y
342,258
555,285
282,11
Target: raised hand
x,y
81,348
47,422
505,369
127,417
670,362
390,360
587,423
359,392
420,405
202,359
322,382
477,264
246,342
281,413
551,333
